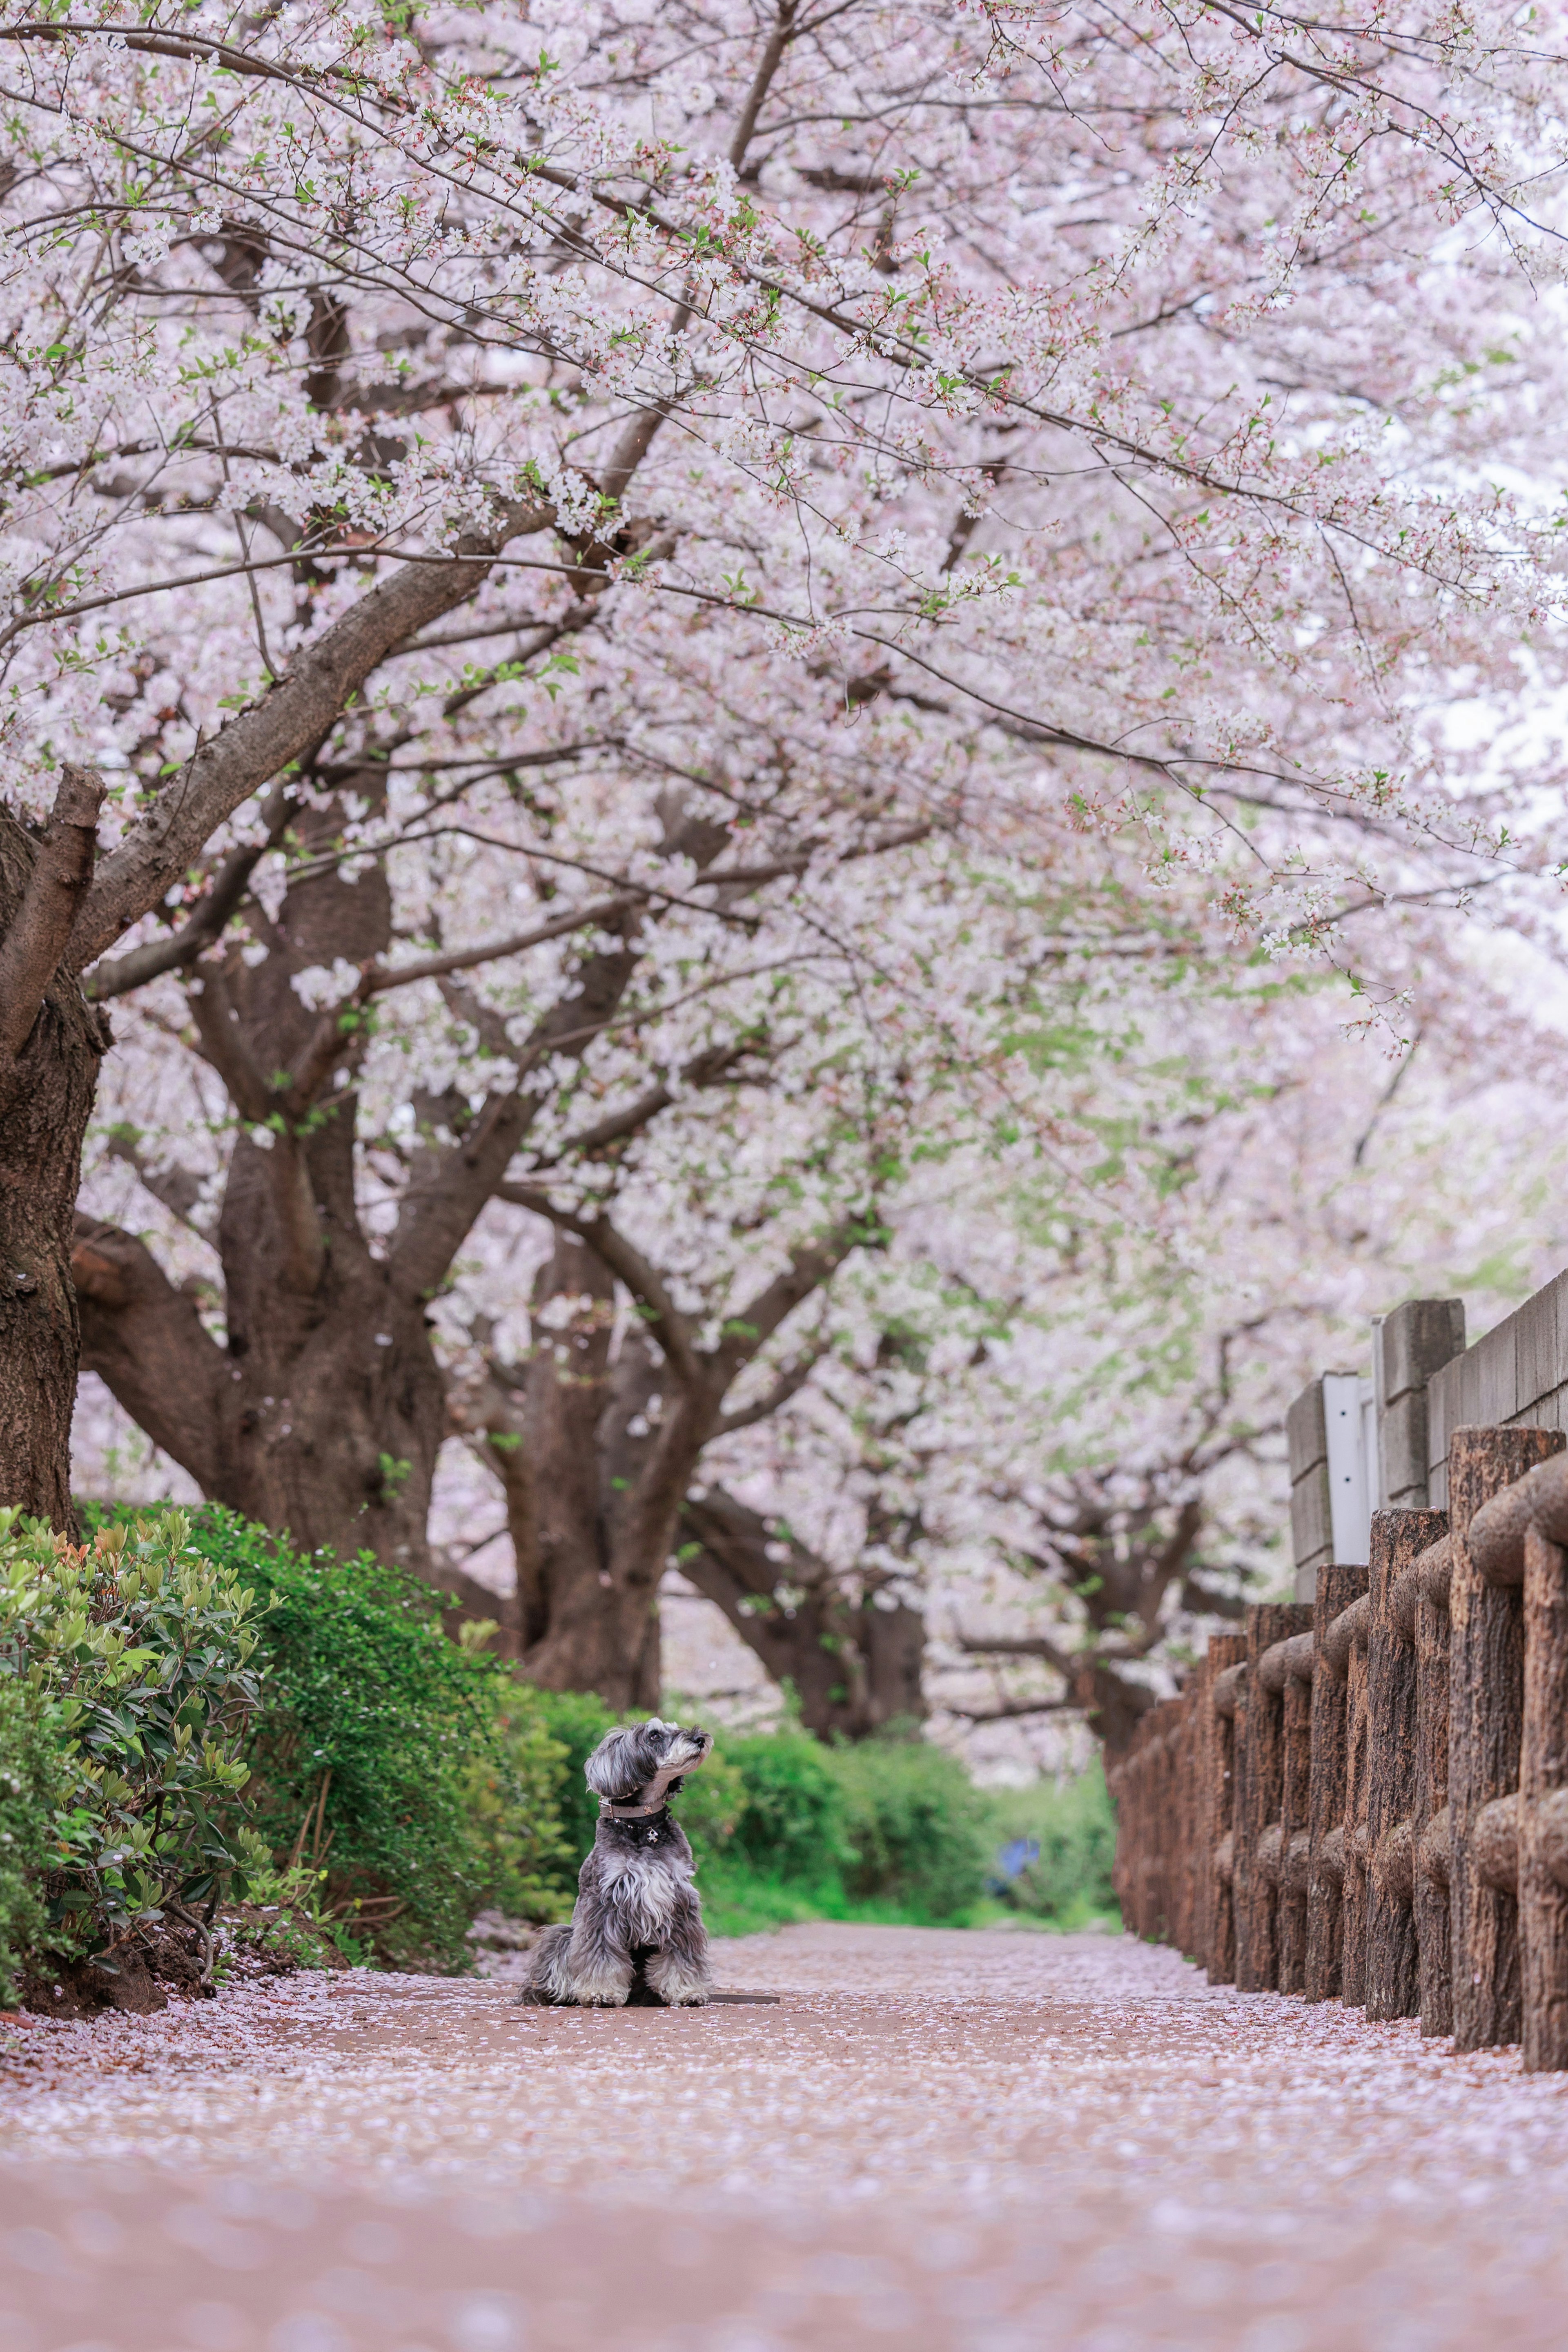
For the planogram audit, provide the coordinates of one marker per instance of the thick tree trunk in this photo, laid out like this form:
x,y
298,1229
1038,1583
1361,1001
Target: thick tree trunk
x,y
51,1042
322,1409
569,1435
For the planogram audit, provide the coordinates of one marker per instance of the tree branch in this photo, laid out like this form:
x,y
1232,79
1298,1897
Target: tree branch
x,y
788,1384
664,1320
144,1340
768,64
810,1267
182,948
296,711
36,941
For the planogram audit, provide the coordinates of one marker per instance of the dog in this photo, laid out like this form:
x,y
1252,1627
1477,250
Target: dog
x,y
638,1919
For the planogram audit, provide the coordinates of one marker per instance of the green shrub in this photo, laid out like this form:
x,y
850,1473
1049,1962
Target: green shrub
x,y
791,1823
577,1721
33,1787
917,1827
516,1790
1074,1826
135,1653
372,1723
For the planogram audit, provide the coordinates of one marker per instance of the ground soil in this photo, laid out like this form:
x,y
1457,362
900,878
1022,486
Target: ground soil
x,y
998,2142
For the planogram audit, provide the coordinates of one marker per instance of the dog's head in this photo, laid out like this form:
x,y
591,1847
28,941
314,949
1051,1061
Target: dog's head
x,y
644,1763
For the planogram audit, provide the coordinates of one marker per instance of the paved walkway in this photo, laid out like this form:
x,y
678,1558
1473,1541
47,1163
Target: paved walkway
x,y
970,2142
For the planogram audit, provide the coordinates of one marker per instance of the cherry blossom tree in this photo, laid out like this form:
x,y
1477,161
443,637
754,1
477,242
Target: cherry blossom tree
x,y
584,601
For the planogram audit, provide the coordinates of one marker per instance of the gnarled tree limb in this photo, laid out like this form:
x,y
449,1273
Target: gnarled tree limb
x,y
34,944
144,1338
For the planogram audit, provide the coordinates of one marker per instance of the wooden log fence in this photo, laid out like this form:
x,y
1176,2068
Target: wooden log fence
x,y
1365,1799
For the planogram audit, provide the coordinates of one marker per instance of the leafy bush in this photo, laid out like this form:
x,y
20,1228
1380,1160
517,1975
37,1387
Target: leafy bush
x,y
791,1825
33,1787
372,1726
1074,1827
917,1827
577,1721
517,1790
131,1656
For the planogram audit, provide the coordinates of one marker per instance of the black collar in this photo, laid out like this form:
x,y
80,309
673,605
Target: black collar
x,y
641,1828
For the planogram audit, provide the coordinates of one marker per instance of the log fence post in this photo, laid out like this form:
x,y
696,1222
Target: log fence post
x,y
1544,1802
1339,1587
1486,1709
1393,1974
1228,1651
1261,1790
1350,1636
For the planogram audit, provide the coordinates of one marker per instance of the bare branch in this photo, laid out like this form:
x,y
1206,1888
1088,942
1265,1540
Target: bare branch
x,y
768,64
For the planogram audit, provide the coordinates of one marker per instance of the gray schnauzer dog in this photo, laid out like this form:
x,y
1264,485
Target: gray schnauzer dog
x,y
638,1920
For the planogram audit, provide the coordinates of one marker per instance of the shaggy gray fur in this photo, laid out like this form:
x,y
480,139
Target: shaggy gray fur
x,y
637,1910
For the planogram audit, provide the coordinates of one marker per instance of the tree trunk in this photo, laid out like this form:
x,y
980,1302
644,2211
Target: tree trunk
x,y
568,1433
322,1410
51,1042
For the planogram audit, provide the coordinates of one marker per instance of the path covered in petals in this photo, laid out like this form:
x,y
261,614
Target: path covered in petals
x,y
996,2141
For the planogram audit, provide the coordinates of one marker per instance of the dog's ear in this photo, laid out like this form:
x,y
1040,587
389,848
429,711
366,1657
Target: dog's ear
x,y
610,1771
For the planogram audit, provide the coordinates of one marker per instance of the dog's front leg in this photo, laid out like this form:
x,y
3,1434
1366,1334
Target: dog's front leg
x,y
678,1971
599,1967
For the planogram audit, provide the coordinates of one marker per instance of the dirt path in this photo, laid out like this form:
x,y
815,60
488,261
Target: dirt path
x,y
993,2142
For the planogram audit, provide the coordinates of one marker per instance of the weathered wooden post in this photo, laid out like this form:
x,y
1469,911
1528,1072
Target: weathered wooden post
x,y
1485,1706
1201,1740
1345,1648
1189,1825
1544,1795
1164,1820
1296,1812
1423,1594
1516,1541
1393,1978
1338,1588
1261,1798
1228,1655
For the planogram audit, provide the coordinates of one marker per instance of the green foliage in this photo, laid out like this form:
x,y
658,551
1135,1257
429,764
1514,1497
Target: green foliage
x,y
517,1788
33,1787
1074,1826
135,1653
917,1827
372,1728
577,1721
792,1824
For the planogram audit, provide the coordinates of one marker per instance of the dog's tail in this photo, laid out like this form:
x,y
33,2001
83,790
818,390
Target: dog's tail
x,y
546,1984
